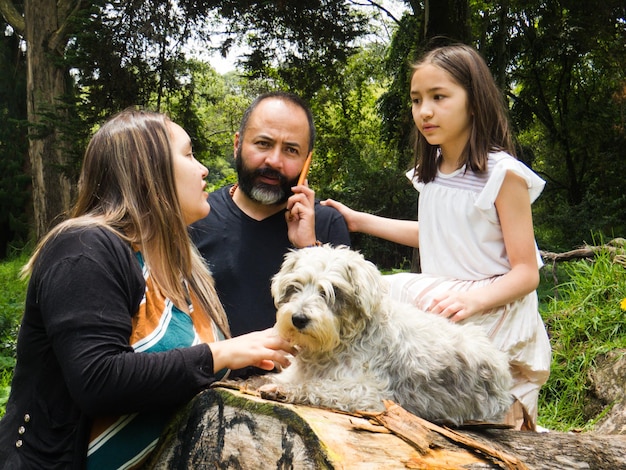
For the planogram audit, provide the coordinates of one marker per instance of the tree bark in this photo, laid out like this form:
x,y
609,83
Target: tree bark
x,y
607,382
46,85
224,428
44,27
12,16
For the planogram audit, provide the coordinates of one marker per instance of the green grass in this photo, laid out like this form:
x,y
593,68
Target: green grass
x,y
12,295
584,321
579,302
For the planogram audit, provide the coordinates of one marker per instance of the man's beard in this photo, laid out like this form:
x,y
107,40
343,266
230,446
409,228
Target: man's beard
x,y
267,194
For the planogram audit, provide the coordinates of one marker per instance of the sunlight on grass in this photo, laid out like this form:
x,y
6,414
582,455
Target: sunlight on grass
x,y
12,297
587,320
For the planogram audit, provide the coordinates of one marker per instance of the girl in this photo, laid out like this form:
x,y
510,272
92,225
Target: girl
x,y
121,322
478,255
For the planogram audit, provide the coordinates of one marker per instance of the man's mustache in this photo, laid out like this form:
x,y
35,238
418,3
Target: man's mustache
x,y
270,173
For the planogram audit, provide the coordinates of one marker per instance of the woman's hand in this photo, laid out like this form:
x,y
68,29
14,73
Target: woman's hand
x,y
262,349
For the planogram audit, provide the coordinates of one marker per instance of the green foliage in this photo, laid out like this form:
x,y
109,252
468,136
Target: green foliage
x,y
12,297
586,320
566,91
394,103
351,162
301,42
561,226
565,86
209,107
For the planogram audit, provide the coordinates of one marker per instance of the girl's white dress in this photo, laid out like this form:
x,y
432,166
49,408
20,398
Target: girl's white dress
x,y
461,248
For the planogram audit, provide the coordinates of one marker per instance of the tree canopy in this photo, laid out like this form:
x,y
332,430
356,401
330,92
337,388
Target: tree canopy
x,y
562,70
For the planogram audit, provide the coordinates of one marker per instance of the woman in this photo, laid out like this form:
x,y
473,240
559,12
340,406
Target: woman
x,y
121,322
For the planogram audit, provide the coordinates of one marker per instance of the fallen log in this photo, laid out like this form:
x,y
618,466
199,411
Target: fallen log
x,y
224,428
615,248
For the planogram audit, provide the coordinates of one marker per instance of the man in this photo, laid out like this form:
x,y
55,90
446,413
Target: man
x,y
253,223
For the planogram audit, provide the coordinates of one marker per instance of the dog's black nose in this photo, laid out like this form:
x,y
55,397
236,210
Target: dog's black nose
x,y
299,320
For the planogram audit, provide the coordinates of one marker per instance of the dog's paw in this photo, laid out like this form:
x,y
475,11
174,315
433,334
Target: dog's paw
x,y
272,392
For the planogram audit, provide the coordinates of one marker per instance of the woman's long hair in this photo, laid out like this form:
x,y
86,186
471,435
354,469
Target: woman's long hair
x,y
490,127
127,185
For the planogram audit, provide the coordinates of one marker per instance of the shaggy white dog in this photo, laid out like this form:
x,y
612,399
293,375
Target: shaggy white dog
x,y
356,346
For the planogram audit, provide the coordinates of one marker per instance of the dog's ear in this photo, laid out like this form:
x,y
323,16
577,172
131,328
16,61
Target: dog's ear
x,y
367,282
289,263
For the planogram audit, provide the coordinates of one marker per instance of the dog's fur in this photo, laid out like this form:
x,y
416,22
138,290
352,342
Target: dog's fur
x,y
356,346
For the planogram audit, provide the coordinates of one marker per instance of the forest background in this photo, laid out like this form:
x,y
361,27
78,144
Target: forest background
x,y
66,65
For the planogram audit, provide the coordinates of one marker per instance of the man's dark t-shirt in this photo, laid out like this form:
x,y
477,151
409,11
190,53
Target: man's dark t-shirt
x,y
244,254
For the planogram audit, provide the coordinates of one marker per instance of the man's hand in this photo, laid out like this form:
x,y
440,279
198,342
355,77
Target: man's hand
x,y
300,216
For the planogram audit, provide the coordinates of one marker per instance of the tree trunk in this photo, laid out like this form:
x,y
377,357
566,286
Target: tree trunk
x,y
448,18
223,428
46,85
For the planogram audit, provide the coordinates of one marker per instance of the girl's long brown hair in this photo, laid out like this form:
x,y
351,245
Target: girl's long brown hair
x,y
490,127
127,185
